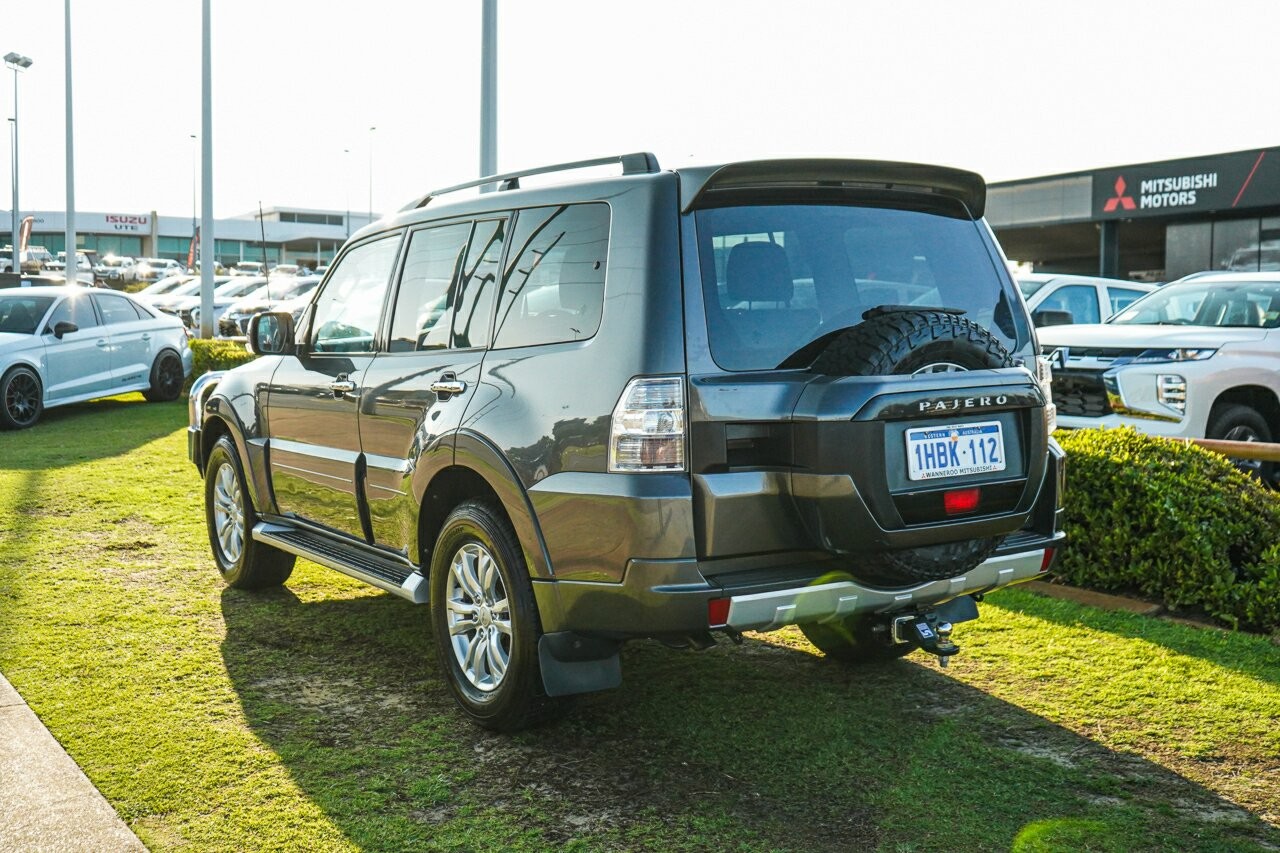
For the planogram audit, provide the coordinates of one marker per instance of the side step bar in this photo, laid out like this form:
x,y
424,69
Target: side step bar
x,y
386,573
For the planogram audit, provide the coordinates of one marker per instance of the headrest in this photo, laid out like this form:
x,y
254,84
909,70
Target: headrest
x,y
582,275
758,272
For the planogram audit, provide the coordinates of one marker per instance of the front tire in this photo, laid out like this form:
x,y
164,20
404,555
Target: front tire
x,y
1242,423
21,398
166,378
244,562
485,620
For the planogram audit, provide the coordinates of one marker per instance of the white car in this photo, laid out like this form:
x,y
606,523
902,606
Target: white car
x,y
154,269
226,290
116,270
1087,299
66,344
1198,358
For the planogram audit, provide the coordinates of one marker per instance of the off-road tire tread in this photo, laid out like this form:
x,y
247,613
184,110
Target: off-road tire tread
x,y
878,346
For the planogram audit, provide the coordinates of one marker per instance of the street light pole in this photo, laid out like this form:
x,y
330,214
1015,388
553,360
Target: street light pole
x,y
371,130
195,159
17,62
346,169
488,90
70,238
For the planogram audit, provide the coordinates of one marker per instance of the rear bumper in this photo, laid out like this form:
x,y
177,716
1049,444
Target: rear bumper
x,y
669,598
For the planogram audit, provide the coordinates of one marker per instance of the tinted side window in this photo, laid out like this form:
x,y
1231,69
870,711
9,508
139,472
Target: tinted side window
x,y
74,309
348,309
553,290
115,309
1081,300
423,304
474,304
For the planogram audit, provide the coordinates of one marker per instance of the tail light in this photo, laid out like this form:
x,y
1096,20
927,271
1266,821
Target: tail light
x,y
648,428
1044,376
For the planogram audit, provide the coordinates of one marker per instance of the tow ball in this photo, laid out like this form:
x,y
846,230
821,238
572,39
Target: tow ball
x,y
928,632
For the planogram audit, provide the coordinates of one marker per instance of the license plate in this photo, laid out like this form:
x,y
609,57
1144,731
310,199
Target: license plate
x,y
952,451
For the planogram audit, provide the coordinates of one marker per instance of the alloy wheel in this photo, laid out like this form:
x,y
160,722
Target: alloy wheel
x,y
478,615
228,513
22,398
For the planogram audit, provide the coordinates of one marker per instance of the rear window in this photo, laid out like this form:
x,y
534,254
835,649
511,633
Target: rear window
x,y
777,277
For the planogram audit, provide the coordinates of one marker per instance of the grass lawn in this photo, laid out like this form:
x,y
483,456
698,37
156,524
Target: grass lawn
x,y
315,717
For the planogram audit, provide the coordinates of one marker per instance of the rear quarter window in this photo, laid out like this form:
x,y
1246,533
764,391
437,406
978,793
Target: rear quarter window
x,y
553,288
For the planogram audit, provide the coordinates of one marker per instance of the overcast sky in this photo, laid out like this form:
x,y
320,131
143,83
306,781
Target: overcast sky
x,y
1008,89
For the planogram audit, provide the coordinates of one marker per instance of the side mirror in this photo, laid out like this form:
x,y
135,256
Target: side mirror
x,y
1050,317
271,333
64,328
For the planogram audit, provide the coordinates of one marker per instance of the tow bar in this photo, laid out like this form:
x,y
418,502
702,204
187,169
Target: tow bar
x,y
926,631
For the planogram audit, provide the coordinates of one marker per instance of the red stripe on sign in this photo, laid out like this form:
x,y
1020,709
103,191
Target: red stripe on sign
x,y
1252,172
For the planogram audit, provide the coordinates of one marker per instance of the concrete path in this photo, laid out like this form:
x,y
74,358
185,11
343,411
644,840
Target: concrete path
x,y
46,801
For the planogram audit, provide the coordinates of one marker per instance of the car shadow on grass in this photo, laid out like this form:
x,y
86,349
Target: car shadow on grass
x,y
84,432
752,747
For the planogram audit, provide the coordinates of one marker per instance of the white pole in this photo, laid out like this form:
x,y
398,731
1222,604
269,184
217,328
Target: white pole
x,y
71,165
16,264
489,90
206,176
371,130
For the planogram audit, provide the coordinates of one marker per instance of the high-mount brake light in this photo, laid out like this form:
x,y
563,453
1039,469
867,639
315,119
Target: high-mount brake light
x,y
647,433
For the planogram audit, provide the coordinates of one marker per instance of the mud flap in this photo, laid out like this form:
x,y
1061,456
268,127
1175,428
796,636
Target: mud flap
x,y
572,663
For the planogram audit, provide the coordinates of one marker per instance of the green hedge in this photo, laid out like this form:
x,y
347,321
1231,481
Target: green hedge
x,y
217,355
1171,521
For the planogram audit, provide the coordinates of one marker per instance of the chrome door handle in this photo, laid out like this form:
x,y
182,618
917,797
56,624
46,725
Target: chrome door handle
x,y
448,386
102,343
342,386
147,336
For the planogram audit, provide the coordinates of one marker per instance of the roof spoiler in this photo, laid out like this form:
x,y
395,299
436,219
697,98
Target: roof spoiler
x,y
698,186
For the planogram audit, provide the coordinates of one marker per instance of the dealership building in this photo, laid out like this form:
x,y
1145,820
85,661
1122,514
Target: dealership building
x,y
1148,221
282,234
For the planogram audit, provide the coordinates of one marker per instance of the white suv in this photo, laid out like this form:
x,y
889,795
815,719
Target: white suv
x,y
1198,358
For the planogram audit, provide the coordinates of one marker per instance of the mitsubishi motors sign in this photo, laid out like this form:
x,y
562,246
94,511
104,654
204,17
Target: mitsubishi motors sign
x,y
1241,180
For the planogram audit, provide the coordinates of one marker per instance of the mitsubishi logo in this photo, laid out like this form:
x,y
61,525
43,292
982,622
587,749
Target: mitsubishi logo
x,y
1120,199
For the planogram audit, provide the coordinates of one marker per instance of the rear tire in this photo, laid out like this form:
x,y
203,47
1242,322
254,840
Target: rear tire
x,y
853,640
244,562
21,398
485,620
915,342
1237,422
166,378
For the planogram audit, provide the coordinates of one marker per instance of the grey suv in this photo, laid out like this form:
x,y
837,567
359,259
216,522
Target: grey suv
x,y
667,404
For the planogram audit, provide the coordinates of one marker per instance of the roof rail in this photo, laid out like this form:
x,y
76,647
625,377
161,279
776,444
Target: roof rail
x,y
639,163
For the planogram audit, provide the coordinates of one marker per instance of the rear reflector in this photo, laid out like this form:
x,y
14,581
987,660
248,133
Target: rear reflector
x,y
1047,561
961,500
718,612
